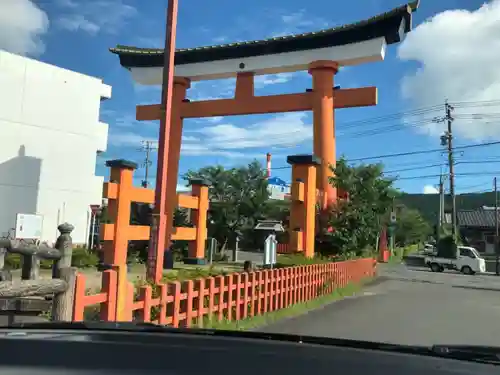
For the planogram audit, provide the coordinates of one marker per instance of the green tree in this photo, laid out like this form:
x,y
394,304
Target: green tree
x,y
410,228
356,222
238,198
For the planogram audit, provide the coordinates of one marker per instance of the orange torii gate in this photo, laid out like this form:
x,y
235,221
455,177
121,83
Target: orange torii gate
x,y
321,53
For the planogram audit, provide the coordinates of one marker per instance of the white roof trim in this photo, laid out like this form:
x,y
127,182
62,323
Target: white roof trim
x,y
349,54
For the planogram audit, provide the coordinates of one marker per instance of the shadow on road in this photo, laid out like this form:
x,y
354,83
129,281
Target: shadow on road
x,y
477,288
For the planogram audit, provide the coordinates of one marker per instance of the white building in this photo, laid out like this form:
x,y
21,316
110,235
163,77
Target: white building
x,y
50,135
278,188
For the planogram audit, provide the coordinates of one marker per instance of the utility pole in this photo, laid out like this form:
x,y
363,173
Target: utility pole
x,y
447,140
441,204
147,147
497,255
393,226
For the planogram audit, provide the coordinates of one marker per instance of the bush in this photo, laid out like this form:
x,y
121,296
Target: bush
x,y
289,260
12,261
82,258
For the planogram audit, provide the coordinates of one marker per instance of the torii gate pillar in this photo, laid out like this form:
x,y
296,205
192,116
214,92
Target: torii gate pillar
x,y
322,73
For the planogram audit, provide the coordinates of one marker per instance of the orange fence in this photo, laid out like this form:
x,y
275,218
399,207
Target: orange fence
x,y
232,297
284,248
192,302
120,193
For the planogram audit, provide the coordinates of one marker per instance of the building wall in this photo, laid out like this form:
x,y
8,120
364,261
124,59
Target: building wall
x,y
482,239
50,133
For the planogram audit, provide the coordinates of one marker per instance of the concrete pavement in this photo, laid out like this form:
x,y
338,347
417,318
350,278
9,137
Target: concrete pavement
x,y
411,307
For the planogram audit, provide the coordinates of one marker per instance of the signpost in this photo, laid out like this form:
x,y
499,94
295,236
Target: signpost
x,y
29,226
270,245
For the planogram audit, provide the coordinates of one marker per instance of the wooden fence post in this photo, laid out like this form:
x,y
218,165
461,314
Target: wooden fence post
x,y
196,253
62,304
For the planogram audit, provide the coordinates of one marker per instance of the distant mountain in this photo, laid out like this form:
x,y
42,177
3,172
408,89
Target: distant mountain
x,y
428,204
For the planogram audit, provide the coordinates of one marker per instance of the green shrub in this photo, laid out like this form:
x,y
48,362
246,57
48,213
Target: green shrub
x,y
289,260
83,258
410,249
13,261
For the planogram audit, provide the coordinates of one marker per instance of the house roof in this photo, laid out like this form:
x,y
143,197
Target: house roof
x,y
277,181
476,218
392,25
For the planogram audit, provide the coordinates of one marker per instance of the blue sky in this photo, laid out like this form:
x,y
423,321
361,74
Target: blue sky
x,y
435,63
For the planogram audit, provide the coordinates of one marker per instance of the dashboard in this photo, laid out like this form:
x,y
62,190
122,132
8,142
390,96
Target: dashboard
x,y
79,352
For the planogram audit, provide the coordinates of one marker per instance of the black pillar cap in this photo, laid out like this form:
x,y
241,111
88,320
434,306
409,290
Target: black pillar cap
x,y
303,160
121,163
199,181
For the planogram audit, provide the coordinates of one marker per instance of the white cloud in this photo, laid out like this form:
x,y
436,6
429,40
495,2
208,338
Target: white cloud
x,y
429,189
131,138
128,138
458,52
94,17
288,129
228,140
300,22
224,88
272,79
182,187
215,119
22,24
220,39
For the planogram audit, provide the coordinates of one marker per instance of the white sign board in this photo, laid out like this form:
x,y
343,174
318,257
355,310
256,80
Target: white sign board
x,y
270,247
29,226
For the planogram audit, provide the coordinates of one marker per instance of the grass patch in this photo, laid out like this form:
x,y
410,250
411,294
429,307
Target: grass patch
x,y
290,260
401,252
289,312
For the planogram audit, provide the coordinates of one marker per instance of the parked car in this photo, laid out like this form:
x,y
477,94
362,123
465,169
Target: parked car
x,y
429,249
467,261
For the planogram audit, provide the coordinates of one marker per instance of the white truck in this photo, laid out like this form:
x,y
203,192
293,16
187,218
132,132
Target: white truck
x,y
468,261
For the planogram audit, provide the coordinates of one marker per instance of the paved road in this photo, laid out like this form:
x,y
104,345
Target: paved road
x,y
411,307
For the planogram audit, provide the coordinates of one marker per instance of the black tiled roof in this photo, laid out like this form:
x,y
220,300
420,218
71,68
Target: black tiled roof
x,y
476,218
392,25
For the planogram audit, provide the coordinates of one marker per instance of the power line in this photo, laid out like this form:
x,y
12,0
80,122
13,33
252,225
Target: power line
x,y
410,153
485,173
442,164
415,168
426,151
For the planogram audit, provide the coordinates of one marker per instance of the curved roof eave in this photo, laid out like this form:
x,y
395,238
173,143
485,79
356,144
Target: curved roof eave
x,y
391,25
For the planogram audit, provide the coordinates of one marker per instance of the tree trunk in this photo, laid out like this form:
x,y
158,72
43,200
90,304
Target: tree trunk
x,y
223,248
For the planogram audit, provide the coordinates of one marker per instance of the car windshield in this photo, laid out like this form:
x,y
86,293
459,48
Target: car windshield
x,y
264,166
475,252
